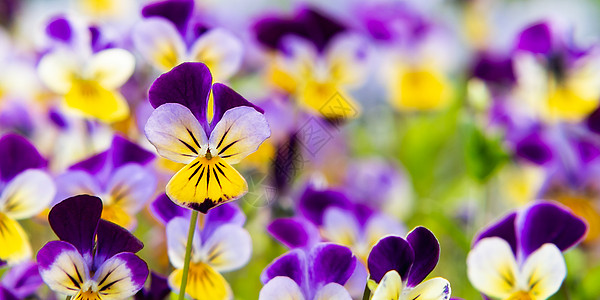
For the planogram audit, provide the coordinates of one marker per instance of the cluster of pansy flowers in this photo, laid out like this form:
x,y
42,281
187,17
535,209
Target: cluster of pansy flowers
x,y
131,129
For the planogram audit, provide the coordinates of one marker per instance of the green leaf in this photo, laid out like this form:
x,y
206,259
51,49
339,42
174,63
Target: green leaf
x,y
483,155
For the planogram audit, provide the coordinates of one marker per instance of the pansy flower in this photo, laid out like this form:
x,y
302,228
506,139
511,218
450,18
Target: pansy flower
x,y
398,266
86,80
317,273
94,258
118,176
20,281
25,191
220,244
162,39
519,257
181,131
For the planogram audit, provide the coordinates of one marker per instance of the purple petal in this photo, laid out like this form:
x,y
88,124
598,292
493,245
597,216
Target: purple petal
x,y
75,219
227,213
113,239
187,84
427,253
165,210
22,280
320,28
125,151
313,203
535,39
5,294
593,121
16,155
122,275
534,149
159,289
331,263
291,264
294,232
546,222
504,229
390,253
176,11
494,69
59,29
226,99
93,165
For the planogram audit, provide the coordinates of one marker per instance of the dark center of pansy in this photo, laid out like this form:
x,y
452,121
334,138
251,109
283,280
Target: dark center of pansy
x,y
208,155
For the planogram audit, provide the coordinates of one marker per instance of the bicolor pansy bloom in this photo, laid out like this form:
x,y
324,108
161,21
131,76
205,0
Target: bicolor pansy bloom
x,y
87,81
519,257
220,244
20,281
398,266
181,129
161,39
119,176
94,258
25,191
317,273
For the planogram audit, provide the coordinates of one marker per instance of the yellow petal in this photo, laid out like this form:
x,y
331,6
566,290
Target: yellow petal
x,y
567,104
116,214
91,99
15,244
328,100
205,183
420,89
89,295
203,283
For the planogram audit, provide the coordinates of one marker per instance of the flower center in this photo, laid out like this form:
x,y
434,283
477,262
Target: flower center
x,y
520,295
208,154
87,295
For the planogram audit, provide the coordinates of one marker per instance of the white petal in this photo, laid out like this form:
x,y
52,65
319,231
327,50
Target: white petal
x,y
159,42
177,232
131,187
173,130
389,288
348,59
111,68
220,50
239,133
543,272
74,183
433,289
332,291
381,225
281,288
57,71
491,267
340,227
27,194
228,248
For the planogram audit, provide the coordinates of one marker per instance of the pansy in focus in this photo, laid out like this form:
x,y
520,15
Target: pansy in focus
x,y
398,266
94,258
87,80
220,244
181,130
519,257
317,273
119,176
25,191
161,38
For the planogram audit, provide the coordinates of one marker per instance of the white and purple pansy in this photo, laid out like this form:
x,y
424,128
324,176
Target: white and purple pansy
x,y
119,176
94,258
185,129
318,273
20,281
398,266
519,257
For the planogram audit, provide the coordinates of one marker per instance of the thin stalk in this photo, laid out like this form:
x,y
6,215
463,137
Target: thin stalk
x,y
68,298
188,254
367,292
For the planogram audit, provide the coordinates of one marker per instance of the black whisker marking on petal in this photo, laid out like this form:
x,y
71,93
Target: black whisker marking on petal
x,y
189,147
217,178
228,146
194,138
222,173
199,177
194,173
78,274
73,280
207,176
223,137
106,287
194,164
105,277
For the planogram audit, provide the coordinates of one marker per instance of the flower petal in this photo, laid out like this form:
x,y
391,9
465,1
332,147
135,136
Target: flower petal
x,y
165,210
203,283
390,253
15,243
427,253
340,227
124,151
76,182
16,155
175,133
62,268
543,272
332,291
238,134
131,187
92,99
75,219
294,232
433,289
225,99
113,239
220,50
535,39
389,288
177,232
188,84
177,12
227,249
348,59
22,280
331,263
281,287
57,70
546,222
121,276
504,229
491,267
291,265
313,203
159,43
111,68
204,184
27,194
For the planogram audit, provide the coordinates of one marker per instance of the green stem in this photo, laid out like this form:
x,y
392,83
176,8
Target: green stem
x,y
68,298
188,254
367,292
